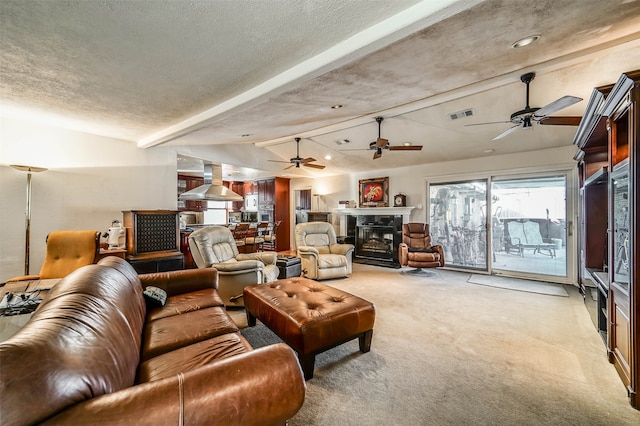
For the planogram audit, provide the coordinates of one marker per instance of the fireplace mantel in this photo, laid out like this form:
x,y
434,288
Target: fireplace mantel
x,y
404,211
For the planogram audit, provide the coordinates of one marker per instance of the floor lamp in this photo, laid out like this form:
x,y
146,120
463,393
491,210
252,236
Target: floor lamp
x,y
27,238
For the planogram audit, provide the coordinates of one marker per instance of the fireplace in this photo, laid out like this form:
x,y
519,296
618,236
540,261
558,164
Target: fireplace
x,y
377,238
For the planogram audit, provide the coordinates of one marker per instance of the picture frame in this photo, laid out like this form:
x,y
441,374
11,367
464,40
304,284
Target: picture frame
x,y
374,192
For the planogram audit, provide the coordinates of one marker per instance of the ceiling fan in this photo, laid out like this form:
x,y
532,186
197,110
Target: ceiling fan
x,y
297,160
524,119
379,144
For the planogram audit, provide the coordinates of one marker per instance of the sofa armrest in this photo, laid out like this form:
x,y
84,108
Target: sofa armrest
x,y
266,257
24,278
241,266
261,387
308,250
343,249
440,250
403,254
179,282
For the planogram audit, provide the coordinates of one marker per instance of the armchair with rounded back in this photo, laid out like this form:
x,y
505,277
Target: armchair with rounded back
x,y
66,252
215,247
322,257
416,250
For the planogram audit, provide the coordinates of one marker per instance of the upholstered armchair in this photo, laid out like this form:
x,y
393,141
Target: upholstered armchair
x,y
416,250
322,258
215,247
66,252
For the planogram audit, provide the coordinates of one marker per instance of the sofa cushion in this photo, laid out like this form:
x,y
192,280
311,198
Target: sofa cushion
x,y
83,341
167,334
183,303
191,357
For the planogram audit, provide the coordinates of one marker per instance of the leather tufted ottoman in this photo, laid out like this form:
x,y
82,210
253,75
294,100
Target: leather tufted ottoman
x,y
310,317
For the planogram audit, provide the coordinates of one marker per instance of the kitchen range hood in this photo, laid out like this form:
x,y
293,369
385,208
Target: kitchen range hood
x,y
212,189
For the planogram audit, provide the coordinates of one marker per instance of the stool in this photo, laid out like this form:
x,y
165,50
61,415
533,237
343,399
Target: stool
x,y
310,317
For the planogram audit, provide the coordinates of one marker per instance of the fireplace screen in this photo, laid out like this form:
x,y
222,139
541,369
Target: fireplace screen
x,y
377,238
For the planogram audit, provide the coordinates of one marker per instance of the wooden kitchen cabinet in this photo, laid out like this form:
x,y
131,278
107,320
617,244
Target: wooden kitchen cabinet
x,y
273,206
238,188
266,192
187,183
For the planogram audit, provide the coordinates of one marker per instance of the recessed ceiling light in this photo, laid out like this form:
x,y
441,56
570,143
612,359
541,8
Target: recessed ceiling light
x,y
488,151
336,106
327,157
407,144
525,41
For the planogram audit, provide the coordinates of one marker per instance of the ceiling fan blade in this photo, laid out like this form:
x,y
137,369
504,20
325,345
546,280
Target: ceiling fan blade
x,y
287,168
278,161
307,160
315,166
506,132
405,148
561,121
490,122
381,142
377,154
557,105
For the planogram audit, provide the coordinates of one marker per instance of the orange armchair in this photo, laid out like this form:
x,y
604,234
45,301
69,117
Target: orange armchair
x,y
66,252
416,250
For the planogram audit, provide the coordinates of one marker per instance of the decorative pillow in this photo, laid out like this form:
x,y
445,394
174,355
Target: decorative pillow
x,y
154,297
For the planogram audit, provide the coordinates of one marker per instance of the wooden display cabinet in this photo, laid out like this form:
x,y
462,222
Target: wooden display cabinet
x,y
615,170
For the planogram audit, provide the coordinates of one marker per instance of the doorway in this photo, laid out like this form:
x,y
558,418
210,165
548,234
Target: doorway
x,y
509,226
458,222
529,225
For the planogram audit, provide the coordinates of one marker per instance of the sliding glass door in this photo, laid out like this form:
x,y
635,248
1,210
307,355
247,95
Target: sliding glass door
x,y
515,226
530,225
458,222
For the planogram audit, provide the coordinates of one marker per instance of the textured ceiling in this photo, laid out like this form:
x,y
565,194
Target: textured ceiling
x,y
204,73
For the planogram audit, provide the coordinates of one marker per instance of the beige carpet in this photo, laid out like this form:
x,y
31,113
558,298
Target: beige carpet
x,y
447,352
519,285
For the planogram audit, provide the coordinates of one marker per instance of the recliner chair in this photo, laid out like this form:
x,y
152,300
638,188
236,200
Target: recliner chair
x,y
215,247
322,257
66,252
416,250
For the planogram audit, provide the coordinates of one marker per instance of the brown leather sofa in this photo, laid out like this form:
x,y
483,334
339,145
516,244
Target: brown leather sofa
x,y
93,354
416,250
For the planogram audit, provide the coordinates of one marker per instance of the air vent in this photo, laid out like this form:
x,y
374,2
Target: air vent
x,y
461,114
342,141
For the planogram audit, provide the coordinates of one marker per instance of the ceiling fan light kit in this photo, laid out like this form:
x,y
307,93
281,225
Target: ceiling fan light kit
x,y
379,144
524,118
297,160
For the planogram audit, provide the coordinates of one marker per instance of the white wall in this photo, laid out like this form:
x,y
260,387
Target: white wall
x,y
90,180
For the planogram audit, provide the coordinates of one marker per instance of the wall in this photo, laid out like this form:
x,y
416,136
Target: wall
x,y
90,180
412,181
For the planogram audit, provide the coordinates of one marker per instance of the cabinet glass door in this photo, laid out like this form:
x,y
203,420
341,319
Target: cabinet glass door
x,y
620,206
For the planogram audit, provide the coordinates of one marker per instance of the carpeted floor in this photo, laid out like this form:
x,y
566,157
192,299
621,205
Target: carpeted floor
x,y
448,352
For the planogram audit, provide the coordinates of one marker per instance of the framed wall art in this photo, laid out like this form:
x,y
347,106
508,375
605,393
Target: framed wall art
x,y
374,192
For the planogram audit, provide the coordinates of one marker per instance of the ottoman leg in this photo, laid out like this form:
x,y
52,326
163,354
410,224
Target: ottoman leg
x,y
365,341
307,362
251,320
